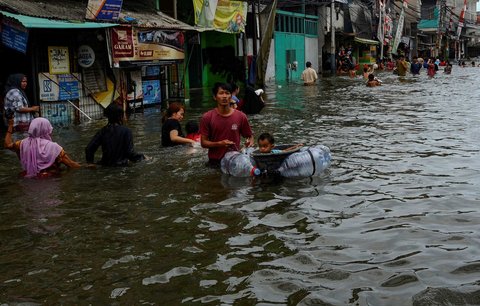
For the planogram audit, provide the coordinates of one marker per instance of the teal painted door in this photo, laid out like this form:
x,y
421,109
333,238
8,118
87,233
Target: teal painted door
x,y
289,50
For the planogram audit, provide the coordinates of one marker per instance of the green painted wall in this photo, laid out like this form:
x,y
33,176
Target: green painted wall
x,y
213,40
293,45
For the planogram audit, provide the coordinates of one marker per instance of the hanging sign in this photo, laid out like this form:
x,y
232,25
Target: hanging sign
x,y
86,56
103,9
58,60
398,34
122,42
14,35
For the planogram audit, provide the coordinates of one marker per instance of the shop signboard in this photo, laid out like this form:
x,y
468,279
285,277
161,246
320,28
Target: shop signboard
x,y
86,56
58,60
14,35
57,112
146,45
59,87
122,42
108,10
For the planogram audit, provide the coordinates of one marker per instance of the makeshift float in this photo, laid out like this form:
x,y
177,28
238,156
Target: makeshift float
x,y
300,162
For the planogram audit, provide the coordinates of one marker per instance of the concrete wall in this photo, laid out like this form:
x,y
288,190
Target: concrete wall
x,y
311,53
270,74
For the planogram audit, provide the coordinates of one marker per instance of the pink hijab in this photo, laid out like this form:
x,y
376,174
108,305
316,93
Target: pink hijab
x,y
38,151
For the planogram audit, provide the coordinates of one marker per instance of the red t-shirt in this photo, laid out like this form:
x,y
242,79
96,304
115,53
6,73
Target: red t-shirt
x,y
217,128
194,136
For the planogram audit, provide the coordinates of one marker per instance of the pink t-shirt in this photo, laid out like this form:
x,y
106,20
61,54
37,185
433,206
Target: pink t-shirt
x,y
217,128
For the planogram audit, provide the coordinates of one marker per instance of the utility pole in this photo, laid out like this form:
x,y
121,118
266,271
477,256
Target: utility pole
x,y
333,64
380,31
254,13
440,26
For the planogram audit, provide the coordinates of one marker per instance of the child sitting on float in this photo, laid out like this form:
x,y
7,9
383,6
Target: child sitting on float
x,y
266,144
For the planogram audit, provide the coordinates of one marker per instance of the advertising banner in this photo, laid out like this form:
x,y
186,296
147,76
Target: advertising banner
x,y
461,19
14,35
103,9
151,92
131,44
398,34
221,15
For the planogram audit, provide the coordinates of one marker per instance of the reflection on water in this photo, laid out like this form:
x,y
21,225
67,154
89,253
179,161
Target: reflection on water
x,y
392,222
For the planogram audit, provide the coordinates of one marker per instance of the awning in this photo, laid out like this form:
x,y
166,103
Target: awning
x,y
44,23
366,41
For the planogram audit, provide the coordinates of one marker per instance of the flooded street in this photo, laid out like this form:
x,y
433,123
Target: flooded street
x,y
394,220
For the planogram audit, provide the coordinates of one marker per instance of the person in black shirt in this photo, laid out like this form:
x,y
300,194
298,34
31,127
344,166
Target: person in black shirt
x,y
115,139
171,129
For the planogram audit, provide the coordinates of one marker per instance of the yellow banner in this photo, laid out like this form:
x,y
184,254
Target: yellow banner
x,y
221,15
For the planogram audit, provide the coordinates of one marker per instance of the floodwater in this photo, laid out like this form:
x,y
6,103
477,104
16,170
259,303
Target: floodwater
x,y
394,221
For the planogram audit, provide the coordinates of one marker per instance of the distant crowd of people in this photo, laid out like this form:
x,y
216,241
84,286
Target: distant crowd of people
x,y
401,67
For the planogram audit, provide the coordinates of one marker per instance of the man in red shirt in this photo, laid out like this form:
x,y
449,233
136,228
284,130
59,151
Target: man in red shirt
x,y
221,128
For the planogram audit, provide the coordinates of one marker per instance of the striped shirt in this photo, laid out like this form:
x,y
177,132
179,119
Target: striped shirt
x,y
16,101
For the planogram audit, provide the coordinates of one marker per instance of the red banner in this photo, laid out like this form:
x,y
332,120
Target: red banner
x,y
122,42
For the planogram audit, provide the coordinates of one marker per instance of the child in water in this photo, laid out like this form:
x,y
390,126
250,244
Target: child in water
x,y
192,130
373,81
266,144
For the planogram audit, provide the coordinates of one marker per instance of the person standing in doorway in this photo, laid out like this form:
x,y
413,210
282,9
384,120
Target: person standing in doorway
x,y
309,75
16,102
221,128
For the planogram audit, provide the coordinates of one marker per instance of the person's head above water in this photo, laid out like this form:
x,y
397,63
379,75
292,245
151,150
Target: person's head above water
x,y
266,143
371,77
191,127
114,113
218,86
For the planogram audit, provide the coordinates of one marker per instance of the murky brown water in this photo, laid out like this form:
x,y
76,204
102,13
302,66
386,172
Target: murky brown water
x,y
393,222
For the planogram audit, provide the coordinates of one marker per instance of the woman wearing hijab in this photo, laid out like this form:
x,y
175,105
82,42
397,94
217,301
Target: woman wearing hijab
x,y
16,102
39,155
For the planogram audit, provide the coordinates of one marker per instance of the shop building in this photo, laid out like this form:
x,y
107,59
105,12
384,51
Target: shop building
x,y
76,67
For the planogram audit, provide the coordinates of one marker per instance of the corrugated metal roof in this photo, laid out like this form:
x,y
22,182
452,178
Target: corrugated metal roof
x,y
74,10
155,20
44,23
